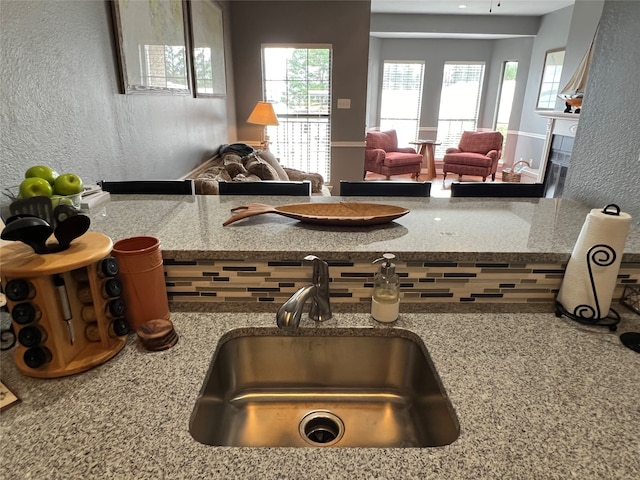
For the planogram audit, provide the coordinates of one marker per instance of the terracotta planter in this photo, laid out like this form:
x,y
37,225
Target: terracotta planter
x,y
142,275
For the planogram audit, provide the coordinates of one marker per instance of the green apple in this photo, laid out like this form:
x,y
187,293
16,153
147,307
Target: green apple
x,y
35,186
60,200
42,171
68,184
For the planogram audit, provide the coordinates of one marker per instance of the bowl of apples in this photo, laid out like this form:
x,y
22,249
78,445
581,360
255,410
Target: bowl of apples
x,y
42,180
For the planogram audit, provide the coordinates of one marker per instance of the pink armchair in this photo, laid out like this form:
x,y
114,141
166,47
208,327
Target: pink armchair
x,y
382,155
477,154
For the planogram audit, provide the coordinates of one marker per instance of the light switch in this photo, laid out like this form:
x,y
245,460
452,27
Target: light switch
x,y
344,103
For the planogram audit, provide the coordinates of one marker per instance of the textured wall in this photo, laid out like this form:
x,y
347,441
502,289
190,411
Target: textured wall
x,y
605,165
61,105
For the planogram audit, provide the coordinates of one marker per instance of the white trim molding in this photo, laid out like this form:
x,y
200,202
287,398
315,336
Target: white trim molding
x,y
359,144
537,136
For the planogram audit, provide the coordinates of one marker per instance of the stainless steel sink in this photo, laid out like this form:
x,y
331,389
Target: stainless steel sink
x,y
323,387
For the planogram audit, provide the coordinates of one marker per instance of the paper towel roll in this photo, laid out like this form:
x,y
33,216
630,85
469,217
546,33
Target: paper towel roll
x,y
591,275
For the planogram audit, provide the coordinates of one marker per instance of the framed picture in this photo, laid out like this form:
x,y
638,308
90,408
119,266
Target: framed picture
x,y
151,39
207,40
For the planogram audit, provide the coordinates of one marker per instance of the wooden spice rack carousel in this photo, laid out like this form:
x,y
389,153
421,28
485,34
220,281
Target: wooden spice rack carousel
x,y
64,319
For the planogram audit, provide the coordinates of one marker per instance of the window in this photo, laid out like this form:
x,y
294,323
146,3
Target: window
x,y
401,99
297,80
550,82
459,102
505,98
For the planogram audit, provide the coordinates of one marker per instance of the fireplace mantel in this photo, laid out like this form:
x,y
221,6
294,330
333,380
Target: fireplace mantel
x,y
558,123
559,115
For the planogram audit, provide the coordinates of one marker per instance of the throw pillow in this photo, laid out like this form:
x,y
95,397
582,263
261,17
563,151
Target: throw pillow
x,y
271,159
223,175
228,158
234,169
315,178
206,186
212,172
260,168
246,178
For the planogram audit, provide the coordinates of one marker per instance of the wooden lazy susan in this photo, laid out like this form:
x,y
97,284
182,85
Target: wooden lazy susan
x,y
66,307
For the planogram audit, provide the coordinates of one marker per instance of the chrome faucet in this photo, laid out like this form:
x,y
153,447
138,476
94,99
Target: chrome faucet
x,y
288,316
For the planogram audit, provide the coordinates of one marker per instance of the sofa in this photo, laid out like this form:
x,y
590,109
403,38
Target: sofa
x,y
382,155
241,163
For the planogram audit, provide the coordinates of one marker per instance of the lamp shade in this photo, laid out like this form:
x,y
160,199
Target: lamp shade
x,y
263,114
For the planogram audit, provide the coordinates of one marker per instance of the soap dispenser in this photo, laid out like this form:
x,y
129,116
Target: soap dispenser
x,y
385,301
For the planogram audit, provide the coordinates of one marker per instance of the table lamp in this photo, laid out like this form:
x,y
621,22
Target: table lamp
x,y
263,114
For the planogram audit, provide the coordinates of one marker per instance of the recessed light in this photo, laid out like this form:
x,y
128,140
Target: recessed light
x,y
462,5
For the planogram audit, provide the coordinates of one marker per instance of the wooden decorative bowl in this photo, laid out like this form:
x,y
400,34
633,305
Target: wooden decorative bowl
x,y
339,214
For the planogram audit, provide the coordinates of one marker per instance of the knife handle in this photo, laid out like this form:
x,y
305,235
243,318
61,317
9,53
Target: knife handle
x,y
66,306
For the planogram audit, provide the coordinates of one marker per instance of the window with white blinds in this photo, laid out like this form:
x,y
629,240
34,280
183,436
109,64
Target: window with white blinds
x,y
297,80
401,99
459,102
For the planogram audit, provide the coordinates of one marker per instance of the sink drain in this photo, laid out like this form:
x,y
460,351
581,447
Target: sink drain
x,y
321,428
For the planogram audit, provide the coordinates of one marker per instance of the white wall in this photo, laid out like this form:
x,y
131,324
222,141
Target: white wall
x,y
553,33
434,53
584,22
572,28
61,105
513,49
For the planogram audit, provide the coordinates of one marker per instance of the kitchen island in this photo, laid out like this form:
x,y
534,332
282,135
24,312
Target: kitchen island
x,y
541,230
537,398
463,254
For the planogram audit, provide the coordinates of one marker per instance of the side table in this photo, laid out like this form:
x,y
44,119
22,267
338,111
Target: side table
x,y
426,149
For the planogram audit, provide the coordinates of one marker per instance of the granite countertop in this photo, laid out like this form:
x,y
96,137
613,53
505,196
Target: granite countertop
x,y
539,230
536,397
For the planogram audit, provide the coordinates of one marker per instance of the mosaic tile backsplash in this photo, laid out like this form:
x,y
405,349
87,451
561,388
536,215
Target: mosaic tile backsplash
x,y
249,281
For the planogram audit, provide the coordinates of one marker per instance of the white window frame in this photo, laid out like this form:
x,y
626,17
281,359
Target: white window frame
x,y
313,152
550,79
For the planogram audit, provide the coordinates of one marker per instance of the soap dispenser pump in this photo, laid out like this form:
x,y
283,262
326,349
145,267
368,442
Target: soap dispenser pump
x,y
385,301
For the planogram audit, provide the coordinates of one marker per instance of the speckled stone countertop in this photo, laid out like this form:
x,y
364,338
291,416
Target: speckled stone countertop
x,y
537,398
539,230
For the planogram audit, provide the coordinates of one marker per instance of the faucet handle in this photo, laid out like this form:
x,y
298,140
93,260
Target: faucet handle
x,y
320,267
320,309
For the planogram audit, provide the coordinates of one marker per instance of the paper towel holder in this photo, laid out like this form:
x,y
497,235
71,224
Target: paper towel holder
x,y
611,320
601,255
606,211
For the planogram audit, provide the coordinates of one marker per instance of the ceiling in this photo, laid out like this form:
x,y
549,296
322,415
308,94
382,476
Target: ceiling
x,y
531,8
474,7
